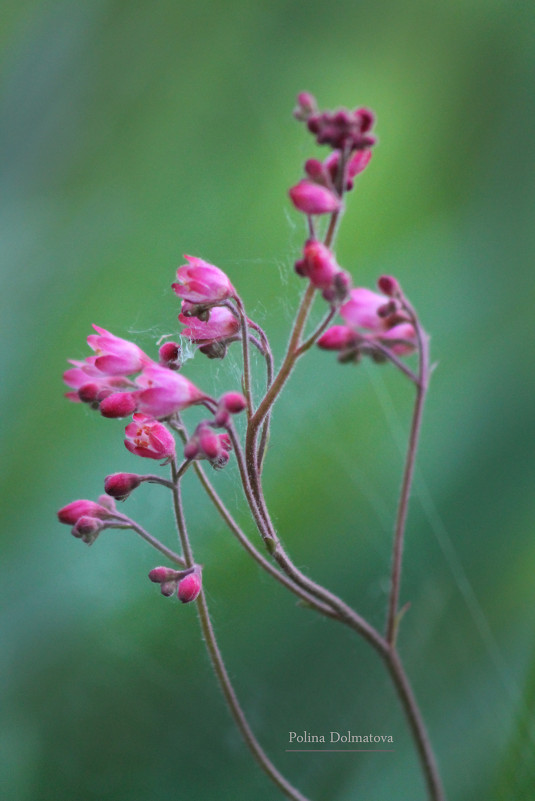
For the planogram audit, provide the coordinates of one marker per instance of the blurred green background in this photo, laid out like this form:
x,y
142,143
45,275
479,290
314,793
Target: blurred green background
x,y
133,132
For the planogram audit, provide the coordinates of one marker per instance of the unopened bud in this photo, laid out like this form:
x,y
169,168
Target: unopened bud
x,y
387,309
88,392
120,485
389,286
87,529
233,402
159,574
169,354
168,588
306,105
190,587
119,404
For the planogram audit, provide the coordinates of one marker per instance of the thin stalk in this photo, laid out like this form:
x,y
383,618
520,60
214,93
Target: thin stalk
x,y
417,726
171,555
287,365
274,545
246,356
317,333
408,472
250,548
219,666
295,338
388,354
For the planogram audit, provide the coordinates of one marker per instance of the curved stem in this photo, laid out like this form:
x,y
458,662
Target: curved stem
x,y
416,723
252,551
265,526
159,546
317,333
219,666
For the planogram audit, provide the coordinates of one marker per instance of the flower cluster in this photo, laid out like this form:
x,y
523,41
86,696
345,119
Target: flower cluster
x,y
187,584
373,322
119,379
106,381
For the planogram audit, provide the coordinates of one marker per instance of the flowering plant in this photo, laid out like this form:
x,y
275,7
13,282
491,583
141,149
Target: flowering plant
x,y
120,380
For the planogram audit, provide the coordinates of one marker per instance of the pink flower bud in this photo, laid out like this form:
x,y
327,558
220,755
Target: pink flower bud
x,y
206,444
108,503
311,198
318,172
120,485
191,449
229,403
358,162
169,355
190,587
220,326
338,291
159,574
201,282
306,105
338,337
87,529
118,404
342,129
389,286
146,437
74,511
233,402
318,264
88,392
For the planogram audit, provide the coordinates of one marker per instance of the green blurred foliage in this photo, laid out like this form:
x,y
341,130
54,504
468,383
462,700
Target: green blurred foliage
x,y
133,132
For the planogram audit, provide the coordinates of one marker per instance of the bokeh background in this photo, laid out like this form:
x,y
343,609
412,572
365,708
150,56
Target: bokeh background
x,y
133,132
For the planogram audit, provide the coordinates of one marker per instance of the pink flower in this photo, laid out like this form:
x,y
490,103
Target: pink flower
x,y
190,587
382,316
401,339
220,326
146,437
71,513
202,283
164,391
90,384
360,311
115,355
312,198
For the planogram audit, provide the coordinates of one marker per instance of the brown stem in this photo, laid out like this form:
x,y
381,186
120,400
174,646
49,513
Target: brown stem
x,y
219,666
416,723
401,519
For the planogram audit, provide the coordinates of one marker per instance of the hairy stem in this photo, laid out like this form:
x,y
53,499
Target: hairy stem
x,y
219,666
417,726
401,518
